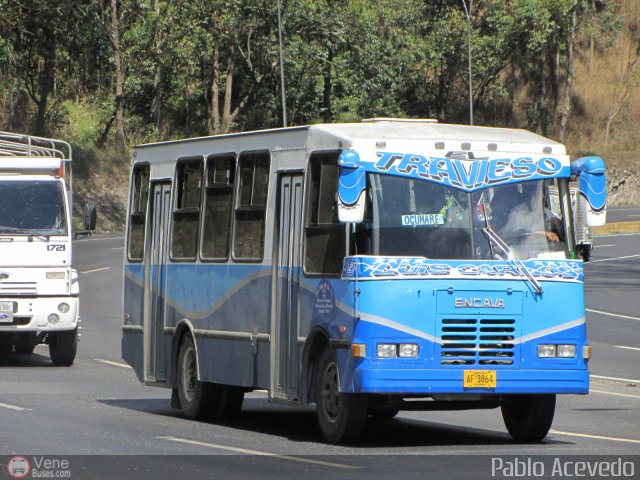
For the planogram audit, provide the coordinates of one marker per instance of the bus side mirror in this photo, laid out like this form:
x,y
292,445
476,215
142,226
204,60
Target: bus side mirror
x,y
90,216
351,188
592,189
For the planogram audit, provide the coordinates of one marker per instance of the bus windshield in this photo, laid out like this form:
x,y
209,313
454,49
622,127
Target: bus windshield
x,y
408,217
33,207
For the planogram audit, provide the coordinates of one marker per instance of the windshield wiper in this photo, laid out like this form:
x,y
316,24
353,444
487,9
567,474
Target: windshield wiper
x,y
511,256
23,231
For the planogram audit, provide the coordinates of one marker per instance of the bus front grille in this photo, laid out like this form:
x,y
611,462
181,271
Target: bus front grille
x,y
472,341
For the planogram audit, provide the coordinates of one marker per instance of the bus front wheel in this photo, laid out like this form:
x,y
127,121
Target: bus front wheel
x,y
341,417
528,418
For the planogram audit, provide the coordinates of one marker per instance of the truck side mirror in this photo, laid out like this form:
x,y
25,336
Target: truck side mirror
x,y
90,216
351,187
592,194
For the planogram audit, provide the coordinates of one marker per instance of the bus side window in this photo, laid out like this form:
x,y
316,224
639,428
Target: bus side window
x,y
324,236
218,201
186,211
139,199
249,217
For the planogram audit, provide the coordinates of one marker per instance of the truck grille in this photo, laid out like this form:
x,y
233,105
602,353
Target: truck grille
x,y
17,289
472,341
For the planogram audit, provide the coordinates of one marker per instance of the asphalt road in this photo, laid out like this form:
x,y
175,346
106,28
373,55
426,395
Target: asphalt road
x,y
98,417
623,214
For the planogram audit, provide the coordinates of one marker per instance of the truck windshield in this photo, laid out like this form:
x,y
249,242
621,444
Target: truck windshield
x,y
407,217
33,207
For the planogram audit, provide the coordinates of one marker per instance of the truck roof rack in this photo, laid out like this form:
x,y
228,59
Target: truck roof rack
x,y
19,145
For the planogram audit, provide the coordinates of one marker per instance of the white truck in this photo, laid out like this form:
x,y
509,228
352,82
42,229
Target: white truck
x,y
39,289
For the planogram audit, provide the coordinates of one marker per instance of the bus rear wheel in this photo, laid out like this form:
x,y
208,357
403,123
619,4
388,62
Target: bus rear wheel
x,y
197,399
341,417
528,418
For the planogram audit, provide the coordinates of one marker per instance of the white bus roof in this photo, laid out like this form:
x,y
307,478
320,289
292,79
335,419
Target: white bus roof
x,y
427,134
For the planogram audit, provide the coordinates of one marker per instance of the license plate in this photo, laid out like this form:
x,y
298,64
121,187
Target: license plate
x,y
479,379
6,312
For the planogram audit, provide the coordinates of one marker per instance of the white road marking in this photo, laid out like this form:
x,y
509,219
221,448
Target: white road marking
x,y
93,239
614,258
122,248
595,246
614,378
110,362
259,452
14,407
615,235
614,393
628,348
612,314
95,270
596,437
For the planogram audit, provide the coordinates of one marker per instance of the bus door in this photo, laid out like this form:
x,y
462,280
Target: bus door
x,y
155,282
286,263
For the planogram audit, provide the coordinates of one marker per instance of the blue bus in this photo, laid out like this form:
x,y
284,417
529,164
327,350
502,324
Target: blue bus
x,y
366,268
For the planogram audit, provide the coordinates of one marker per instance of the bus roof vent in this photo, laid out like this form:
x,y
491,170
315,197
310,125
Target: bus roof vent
x,y
398,120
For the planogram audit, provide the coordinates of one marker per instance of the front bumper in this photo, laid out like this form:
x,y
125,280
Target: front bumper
x,y
450,381
31,314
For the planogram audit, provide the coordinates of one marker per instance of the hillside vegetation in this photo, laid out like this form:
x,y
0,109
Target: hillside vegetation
x,y
106,75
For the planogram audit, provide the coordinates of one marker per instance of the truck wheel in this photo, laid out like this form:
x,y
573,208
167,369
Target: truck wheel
x,y
528,418
24,349
197,399
62,347
342,417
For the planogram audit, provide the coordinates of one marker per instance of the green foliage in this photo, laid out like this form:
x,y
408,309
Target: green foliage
x,y
343,60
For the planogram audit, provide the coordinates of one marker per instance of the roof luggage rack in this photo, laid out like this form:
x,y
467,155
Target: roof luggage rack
x,y
18,145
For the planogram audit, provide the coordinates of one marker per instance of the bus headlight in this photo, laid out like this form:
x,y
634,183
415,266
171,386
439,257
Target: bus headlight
x,y
546,351
408,350
566,351
386,350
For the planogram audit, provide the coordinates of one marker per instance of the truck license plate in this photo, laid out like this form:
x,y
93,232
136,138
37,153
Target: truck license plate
x,y
6,312
479,379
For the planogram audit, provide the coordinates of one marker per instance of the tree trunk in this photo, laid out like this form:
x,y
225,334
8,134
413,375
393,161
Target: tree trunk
x,y
46,84
326,74
566,109
214,101
228,89
119,100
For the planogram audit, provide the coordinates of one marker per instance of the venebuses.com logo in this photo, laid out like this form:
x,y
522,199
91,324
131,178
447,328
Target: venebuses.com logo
x,y
18,467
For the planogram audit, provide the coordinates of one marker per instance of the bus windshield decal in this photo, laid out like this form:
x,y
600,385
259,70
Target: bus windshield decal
x,y
385,268
422,220
471,173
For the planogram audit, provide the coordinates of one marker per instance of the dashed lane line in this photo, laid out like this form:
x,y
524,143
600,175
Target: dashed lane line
x,y
612,314
614,258
95,270
111,362
628,348
628,395
595,437
614,378
260,453
14,407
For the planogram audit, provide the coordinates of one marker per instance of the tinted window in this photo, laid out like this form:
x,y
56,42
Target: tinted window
x,y
249,217
324,236
139,198
186,213
217,207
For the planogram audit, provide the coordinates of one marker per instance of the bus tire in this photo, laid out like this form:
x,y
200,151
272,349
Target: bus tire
x,y
197,399
341,417
528,418
63,347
